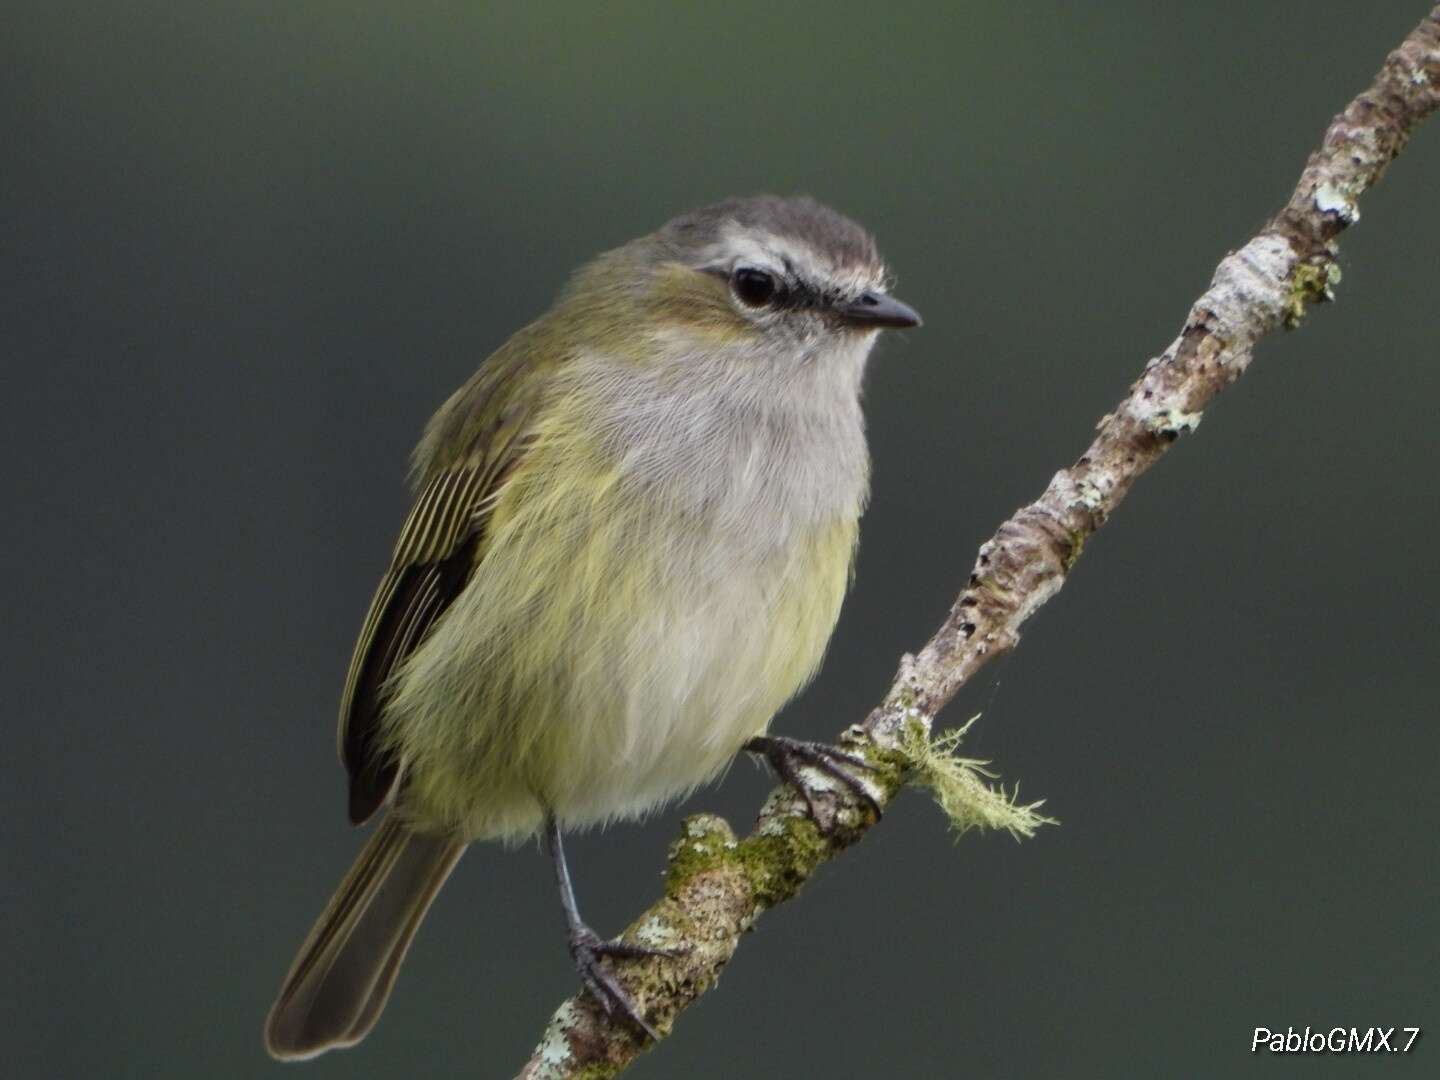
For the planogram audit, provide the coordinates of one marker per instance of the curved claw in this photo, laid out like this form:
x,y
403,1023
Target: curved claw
x,y
785,755
589,950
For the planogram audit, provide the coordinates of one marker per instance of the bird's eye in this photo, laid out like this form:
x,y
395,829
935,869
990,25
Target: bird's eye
x,y
754,288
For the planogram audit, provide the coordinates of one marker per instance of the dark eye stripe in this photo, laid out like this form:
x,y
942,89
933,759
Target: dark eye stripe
x,y
791,294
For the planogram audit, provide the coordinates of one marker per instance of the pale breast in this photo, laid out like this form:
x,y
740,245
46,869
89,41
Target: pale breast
x,y
652,593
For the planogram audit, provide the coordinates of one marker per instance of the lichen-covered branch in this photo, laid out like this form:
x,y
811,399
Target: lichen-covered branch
x,y
717,884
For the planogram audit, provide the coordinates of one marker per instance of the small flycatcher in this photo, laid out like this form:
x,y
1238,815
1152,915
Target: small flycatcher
x,y
633,531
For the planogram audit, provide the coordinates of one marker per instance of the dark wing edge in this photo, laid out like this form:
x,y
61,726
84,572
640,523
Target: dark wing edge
x,y
433,560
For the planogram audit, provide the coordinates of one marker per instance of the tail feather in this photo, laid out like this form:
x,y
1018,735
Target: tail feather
x,y
340,980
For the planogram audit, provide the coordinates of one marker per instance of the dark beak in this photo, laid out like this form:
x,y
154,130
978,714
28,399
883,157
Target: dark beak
x,y
877,309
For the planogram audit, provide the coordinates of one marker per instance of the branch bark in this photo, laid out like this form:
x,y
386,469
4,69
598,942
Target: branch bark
x,y
717,886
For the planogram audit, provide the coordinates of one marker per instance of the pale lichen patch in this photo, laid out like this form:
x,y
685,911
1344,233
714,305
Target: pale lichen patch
x,y
772,813
1331,198
959,786
1171,423
657,933
553,1055
1087,496
819,781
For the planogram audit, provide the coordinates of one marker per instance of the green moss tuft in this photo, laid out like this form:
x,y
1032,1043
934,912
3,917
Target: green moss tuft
x,y
781,858
706,841
1311,283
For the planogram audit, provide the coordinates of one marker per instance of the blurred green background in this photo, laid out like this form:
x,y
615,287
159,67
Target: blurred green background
x,y
248,248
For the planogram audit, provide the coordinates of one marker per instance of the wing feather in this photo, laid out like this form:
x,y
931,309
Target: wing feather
x,y
438,548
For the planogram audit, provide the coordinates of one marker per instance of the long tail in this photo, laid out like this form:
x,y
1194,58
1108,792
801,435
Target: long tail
x,y
339,982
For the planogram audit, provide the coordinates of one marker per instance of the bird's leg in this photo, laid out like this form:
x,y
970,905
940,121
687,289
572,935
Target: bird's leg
x,y
588,949
787,755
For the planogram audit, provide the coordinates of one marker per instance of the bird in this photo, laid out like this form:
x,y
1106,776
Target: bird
x,y
633,529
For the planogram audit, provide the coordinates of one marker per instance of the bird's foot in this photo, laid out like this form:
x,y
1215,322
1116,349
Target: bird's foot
x,y
786,756
589,951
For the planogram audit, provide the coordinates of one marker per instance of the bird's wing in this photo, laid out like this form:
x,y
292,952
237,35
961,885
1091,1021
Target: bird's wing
x,y
438,550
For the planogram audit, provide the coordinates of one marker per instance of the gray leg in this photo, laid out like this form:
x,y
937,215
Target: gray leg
x,y
588,950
